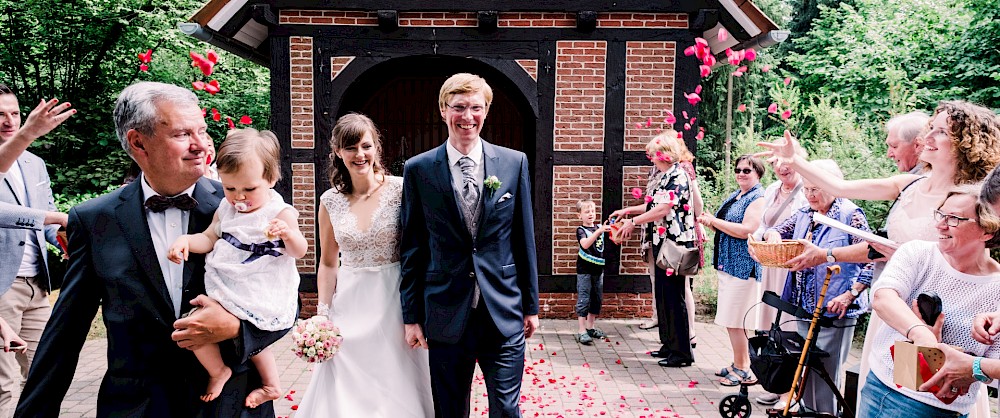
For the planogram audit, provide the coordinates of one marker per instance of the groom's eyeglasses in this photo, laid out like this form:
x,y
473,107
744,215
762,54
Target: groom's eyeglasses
x,y
476,110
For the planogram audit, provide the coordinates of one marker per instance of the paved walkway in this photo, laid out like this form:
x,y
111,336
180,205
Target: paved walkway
x,y
612,378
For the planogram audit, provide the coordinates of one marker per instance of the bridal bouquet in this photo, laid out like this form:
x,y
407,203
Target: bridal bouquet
x,y
316,339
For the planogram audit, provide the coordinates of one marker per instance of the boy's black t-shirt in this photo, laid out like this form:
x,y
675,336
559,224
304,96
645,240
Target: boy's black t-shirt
x,y
589,260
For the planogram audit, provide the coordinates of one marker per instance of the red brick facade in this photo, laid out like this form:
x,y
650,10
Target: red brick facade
x,y
579,125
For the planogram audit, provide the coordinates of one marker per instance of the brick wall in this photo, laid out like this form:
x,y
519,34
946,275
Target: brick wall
x,y
337,64
530,67
580,93
304,200
631,260
615,305
649,81
301,54
570,184
469,19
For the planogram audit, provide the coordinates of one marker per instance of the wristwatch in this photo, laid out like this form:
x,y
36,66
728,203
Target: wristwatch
x,y
977,371
829,256
855,292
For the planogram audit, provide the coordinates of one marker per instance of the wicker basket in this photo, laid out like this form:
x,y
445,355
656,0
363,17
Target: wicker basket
x,y
776,254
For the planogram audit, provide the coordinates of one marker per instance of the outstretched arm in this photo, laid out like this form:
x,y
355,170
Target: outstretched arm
x,y
783,151
43,119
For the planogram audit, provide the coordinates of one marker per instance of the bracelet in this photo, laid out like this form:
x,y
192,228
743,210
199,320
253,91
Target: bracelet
x,y
322,309
907,335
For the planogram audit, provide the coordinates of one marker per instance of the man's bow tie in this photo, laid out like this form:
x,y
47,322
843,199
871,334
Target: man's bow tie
x,y
160,203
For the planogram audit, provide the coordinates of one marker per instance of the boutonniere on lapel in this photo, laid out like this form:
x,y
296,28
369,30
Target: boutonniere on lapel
x,y
492,183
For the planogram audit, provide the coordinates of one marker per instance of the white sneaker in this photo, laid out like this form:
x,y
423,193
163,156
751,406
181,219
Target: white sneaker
x,y
768,398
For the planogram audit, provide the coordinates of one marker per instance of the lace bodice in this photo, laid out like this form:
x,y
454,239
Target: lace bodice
x,y
378,245
913,216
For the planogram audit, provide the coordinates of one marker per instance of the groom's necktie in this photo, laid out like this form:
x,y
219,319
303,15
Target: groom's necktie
x,y
470,191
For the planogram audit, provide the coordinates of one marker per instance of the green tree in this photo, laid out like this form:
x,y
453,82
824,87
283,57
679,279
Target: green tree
x,y
85,52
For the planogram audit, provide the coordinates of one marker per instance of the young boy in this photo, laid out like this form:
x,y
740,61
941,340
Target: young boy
x,y
589,271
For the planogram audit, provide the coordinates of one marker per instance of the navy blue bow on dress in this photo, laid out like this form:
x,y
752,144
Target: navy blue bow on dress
x,y
256,250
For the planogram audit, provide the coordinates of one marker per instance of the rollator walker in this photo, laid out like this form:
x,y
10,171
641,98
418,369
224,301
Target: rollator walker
x,y
782,360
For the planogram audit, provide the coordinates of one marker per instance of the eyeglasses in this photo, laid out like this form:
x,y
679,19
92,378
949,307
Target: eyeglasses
x,y
951,220
476,110
743,170
811,190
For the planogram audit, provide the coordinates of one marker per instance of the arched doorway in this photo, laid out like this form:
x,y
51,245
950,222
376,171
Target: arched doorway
x,y
401,96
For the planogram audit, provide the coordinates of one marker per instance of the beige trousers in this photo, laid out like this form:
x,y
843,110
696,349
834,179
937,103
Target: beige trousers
x,y
26,308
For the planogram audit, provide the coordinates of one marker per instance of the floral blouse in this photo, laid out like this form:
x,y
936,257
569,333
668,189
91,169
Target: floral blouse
x,y
670,187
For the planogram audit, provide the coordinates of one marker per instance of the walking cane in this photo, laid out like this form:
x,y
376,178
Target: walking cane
x,y
830,271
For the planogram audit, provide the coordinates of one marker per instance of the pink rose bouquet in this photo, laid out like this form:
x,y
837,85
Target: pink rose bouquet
x,y
316,339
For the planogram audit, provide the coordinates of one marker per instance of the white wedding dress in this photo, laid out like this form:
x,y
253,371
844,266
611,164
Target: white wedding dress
x,y
375,373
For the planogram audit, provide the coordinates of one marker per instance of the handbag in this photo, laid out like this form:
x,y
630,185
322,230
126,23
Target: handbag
x,y
679,258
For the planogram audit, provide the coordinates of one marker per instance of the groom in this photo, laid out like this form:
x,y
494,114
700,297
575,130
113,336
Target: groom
x,y
470,282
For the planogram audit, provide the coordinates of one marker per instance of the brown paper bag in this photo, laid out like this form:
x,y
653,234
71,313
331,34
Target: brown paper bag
x,y
906,364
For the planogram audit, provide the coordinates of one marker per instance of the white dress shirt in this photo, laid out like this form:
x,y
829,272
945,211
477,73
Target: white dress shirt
x,y
164,228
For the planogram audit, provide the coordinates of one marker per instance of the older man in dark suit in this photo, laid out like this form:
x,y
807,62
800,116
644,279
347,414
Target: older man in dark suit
x,y
470,280
118,246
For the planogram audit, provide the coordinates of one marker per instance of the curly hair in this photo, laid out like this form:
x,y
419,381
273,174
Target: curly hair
x,y
349,130
975,136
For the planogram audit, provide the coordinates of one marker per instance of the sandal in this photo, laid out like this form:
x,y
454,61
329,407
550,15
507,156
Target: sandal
x,y
725,370
738,377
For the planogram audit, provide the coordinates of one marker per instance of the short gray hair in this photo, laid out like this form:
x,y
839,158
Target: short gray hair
x,y
990,194
909,126
136,107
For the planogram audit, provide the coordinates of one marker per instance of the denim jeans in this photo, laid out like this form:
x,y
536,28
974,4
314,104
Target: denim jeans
x,y
589,293
879,400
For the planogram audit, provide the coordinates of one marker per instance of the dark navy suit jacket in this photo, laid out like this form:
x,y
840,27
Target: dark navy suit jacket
x,y
440,259
113,266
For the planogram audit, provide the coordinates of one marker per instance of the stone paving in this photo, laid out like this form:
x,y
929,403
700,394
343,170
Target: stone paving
x,y
611,378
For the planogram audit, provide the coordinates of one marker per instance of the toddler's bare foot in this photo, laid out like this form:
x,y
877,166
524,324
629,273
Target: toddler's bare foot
x,y
262,394
215,385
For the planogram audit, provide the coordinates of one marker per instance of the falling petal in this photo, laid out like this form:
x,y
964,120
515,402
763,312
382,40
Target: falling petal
x,y
649,122
786,114
693,120
697,89
729,52
700,135
723,35
212,87
670,119
198,85
773,108
246,120
204,111
685,114
742,69
765,68
741,108
637,193
701,41
693,98
734,59
689,51
147,57
788,80
212,56
648,199
737,73
751,54
638,125
216,116
143,67
687,126
709,60
229,120
705,70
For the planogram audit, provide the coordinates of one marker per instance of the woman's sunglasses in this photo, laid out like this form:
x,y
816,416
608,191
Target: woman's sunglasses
x,y
743,170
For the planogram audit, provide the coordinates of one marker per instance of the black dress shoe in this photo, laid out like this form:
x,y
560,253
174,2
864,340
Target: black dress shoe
x,y
674,363
657,354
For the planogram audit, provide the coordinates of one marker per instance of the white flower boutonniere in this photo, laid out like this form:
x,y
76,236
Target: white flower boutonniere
x,y
492,183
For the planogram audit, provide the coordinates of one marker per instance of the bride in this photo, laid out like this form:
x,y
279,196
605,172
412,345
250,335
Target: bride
x,y
375,374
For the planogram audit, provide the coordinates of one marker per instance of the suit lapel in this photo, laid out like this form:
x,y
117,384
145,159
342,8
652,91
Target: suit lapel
x,y
131,216
30,180
201,216
491,165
